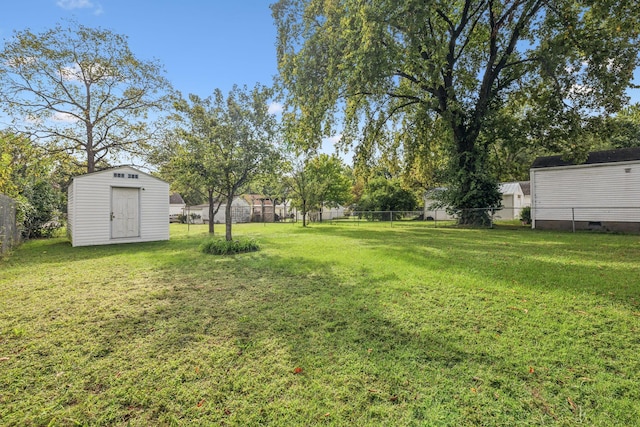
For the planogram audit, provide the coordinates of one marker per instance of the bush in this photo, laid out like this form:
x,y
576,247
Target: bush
x,y
39,210
224,247
525,215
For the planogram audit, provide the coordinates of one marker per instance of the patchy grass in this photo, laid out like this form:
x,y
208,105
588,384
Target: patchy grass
x,y
344,324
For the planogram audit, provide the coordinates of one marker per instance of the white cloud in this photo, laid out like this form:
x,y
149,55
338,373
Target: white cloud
x,y
80,4
334,139
64,117
72,73
275,108
74,4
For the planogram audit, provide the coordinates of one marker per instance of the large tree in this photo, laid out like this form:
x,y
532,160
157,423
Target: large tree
x,y
223,145
387,67
81,90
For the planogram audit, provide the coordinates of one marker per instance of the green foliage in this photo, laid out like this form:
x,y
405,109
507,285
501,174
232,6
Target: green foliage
x,y
525,215
40,210
220,146
396,70
83,90
317,181
382,194
230,247
36,181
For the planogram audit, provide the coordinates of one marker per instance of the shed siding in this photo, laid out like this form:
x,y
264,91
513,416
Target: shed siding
x,y
70,212
599,193
91,218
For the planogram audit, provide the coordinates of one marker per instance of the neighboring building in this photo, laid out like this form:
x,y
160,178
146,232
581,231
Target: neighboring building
x,y
526,190
327,213
603,193
240,212
176,207
118,205
430,212
513,200
262,208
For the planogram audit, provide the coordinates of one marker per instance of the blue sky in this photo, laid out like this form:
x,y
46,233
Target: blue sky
x,y
203,44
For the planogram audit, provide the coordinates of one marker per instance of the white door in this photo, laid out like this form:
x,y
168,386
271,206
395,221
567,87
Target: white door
x,y
124,213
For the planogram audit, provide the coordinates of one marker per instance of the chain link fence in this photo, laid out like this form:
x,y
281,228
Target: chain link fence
x,y
9,231
624,219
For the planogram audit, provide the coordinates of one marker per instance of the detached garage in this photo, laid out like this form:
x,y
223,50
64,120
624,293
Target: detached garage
x,y
602,193
119,205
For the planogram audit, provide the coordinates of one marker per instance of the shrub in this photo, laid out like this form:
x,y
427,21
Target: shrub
x,y
224,247
39,210
525,215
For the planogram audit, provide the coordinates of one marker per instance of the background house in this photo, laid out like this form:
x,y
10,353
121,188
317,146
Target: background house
x,y
328,213
513,200
176,207
603,193
240,212
119,205
430,212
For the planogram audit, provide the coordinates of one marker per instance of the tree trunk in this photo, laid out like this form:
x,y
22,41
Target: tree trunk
x,y
227,219
212,212
304,213
474,190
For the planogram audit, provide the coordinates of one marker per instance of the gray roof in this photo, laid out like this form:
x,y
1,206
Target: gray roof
x,y
176,199
608,156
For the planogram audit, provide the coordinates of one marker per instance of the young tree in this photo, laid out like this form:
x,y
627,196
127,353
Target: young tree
x,y
224,144
318,181
81,90
391,65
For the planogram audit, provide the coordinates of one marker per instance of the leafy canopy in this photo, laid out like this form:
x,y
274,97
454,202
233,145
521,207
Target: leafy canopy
x,y
81,90
221,145
388,71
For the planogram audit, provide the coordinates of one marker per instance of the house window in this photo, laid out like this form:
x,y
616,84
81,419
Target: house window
x,y
132,176
118,175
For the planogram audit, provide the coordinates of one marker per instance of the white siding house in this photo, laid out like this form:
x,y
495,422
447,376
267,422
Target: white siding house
x,y
119,205
513,200
430,212
176,205
603,193
240,212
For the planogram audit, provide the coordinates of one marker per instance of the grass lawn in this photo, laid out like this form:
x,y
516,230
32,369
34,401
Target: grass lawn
x,y
344,324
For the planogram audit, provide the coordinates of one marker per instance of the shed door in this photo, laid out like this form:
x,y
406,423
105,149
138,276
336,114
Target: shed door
x,y
124,215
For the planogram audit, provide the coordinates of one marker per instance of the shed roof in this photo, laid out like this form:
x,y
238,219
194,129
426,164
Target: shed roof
x,y
526,187
116,168
176,199
596,157
510,188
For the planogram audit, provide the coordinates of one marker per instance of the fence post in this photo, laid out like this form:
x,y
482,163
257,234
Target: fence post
x,y
573,220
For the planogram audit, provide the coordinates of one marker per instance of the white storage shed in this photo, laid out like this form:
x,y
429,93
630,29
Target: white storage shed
x,y
513,200
602,193
119,205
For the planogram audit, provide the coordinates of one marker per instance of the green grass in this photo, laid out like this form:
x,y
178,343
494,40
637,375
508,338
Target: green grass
x,y
351,324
